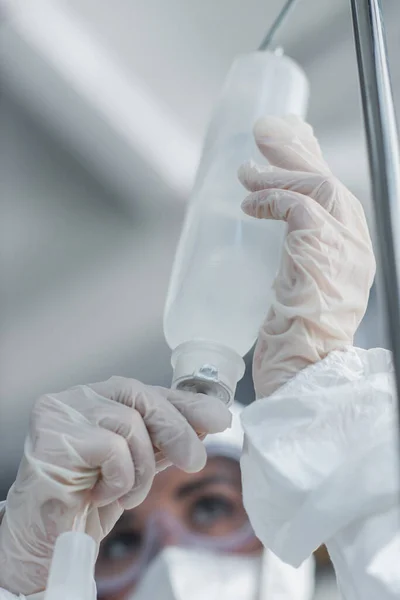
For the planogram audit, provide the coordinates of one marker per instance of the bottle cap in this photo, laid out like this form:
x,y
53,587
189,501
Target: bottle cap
x,y
207,368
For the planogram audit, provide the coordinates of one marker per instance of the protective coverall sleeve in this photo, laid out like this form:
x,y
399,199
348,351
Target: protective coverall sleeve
x,y
320,465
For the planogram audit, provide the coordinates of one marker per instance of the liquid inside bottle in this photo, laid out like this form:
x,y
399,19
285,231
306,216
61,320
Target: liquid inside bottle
x,y
228,263
221,283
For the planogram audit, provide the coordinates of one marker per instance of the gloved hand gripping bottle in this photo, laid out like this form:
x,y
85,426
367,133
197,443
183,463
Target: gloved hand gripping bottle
x,y
225,264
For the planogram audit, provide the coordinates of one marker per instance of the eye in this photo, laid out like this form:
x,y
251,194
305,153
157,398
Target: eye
x,y
209,510
121,545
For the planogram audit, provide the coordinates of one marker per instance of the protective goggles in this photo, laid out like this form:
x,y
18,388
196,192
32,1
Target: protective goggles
x,y
120,568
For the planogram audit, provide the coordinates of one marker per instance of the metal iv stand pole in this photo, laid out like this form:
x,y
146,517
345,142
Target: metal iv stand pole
x,y
383,154
383,151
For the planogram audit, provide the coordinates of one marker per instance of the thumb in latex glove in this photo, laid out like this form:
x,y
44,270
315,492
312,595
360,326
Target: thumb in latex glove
x,y
103,444
327,265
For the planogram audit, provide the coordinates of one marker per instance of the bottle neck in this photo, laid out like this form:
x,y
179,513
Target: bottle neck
x,y
205,367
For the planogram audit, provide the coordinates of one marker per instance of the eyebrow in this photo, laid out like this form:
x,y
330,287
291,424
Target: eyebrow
x,y
194,486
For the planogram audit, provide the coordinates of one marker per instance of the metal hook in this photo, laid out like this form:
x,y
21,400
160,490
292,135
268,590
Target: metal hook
x,y
267,41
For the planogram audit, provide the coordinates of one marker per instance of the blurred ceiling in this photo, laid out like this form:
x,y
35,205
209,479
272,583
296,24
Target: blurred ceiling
x,y
104,107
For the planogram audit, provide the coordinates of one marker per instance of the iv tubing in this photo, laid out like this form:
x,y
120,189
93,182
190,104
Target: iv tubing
x,y
267,41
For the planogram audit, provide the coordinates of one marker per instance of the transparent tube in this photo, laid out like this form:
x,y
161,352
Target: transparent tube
x,y
71,574
225,264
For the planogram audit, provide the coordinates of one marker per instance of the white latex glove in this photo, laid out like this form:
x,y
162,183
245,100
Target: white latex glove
x,y
103,444
327,266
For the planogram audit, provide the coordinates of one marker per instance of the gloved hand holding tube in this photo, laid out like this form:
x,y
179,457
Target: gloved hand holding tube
x,y
102,444
327,266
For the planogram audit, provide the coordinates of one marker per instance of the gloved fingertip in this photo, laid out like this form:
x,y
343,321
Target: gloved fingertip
x,y
197,460
245,167
267,129
163,464
299,126
216,417
136,496
244,170
249,206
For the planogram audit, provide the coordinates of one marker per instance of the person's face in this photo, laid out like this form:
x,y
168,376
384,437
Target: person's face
x,y
208,503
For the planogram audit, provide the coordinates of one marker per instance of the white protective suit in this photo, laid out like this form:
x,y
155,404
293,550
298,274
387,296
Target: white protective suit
x,y
320,460
320,457
320,466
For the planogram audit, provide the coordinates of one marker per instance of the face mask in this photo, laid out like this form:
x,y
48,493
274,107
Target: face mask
x,y
193,574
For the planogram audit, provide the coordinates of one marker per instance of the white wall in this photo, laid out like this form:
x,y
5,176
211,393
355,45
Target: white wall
x,y
78,295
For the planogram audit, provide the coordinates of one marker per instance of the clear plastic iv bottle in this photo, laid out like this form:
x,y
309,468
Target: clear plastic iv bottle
x,y
225,264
